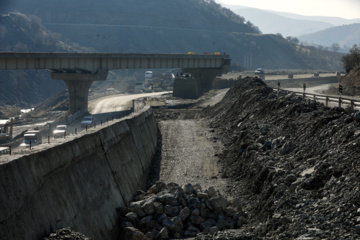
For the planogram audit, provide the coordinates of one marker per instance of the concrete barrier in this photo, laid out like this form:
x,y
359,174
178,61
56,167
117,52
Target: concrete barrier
x,y
79,183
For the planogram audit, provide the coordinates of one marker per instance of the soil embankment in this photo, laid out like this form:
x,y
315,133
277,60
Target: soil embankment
x,y
293,162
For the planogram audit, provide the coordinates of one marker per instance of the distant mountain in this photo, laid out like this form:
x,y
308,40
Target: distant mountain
x,y
288,24
336,21
271,22
346,35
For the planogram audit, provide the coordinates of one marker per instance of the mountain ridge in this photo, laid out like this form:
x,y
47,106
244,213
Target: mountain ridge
x,y
345,36
288,24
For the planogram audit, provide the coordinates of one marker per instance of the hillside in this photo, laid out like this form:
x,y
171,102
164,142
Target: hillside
x,y
336,21
21,33
184,14
351,82
177,26
346,35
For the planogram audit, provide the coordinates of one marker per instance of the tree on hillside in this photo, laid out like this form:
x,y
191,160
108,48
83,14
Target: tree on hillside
x,y
293,40
335,47
351,60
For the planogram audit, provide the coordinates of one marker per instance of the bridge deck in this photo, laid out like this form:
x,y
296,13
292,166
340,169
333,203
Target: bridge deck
x,y
94,62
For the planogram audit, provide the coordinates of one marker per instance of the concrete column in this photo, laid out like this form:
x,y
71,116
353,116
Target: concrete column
x,y
78,94
78,85
204,78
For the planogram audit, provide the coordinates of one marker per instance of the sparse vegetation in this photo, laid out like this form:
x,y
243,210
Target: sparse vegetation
x,y
9,111
351,60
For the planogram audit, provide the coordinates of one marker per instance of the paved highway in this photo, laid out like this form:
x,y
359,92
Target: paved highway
x,y
110,107
116,103
103,109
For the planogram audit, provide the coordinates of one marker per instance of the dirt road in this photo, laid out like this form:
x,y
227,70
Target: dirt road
x,y
189,154
189,147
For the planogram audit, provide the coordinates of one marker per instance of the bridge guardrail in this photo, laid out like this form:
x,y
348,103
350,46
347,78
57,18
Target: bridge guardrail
x,y
327,99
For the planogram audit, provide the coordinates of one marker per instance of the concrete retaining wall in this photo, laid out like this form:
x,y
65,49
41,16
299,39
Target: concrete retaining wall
x,y
79,183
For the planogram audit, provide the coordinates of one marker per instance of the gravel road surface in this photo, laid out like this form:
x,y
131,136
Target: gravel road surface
x,y
189,148
189,154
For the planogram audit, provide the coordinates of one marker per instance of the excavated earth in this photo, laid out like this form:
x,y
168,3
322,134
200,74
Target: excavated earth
x,y
290,162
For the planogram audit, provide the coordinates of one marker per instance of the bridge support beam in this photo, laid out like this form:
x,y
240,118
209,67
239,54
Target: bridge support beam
x,y
200,82
78,85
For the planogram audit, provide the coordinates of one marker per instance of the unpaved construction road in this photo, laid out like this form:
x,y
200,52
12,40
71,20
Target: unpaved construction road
x,y
189,148
189,154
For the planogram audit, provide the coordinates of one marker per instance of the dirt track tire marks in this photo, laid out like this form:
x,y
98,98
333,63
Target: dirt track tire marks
x,y
188,154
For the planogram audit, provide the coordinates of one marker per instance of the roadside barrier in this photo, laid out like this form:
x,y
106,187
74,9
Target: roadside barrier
x,y
326,98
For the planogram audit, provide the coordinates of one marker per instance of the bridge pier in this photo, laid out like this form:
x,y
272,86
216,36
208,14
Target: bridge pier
x,y
201,82
78,85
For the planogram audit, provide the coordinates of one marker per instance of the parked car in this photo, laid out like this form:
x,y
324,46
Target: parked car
x,y
88,121
60,131
259,71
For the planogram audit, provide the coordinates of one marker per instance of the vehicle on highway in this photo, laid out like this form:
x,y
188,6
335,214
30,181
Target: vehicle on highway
x,y
60,131
259,71
31,138
6,126
88,121
148,75
4,150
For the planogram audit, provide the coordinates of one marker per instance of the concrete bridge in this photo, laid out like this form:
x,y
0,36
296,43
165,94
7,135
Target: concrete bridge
x,y
80,70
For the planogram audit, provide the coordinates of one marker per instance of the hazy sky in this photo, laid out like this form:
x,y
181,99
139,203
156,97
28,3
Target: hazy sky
x,y
333,8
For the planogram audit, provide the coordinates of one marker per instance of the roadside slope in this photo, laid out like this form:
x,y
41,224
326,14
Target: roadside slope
x,y
293,162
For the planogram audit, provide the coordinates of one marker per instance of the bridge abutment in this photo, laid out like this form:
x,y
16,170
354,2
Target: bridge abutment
x,y
78,85
200,82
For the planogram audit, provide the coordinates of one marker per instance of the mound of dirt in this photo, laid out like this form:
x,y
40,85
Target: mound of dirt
x,y
293,162
351,82
66,233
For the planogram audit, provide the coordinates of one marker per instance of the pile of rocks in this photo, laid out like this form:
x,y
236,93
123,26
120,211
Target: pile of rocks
x,y
66,234
170,211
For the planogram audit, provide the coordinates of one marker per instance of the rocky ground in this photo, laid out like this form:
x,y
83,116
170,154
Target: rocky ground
x,y
290,165
293,162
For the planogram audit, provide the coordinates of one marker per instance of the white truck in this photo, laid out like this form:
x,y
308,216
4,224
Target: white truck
x,y
31,138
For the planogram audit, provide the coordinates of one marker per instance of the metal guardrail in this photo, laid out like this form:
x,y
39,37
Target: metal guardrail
x,y
325,98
